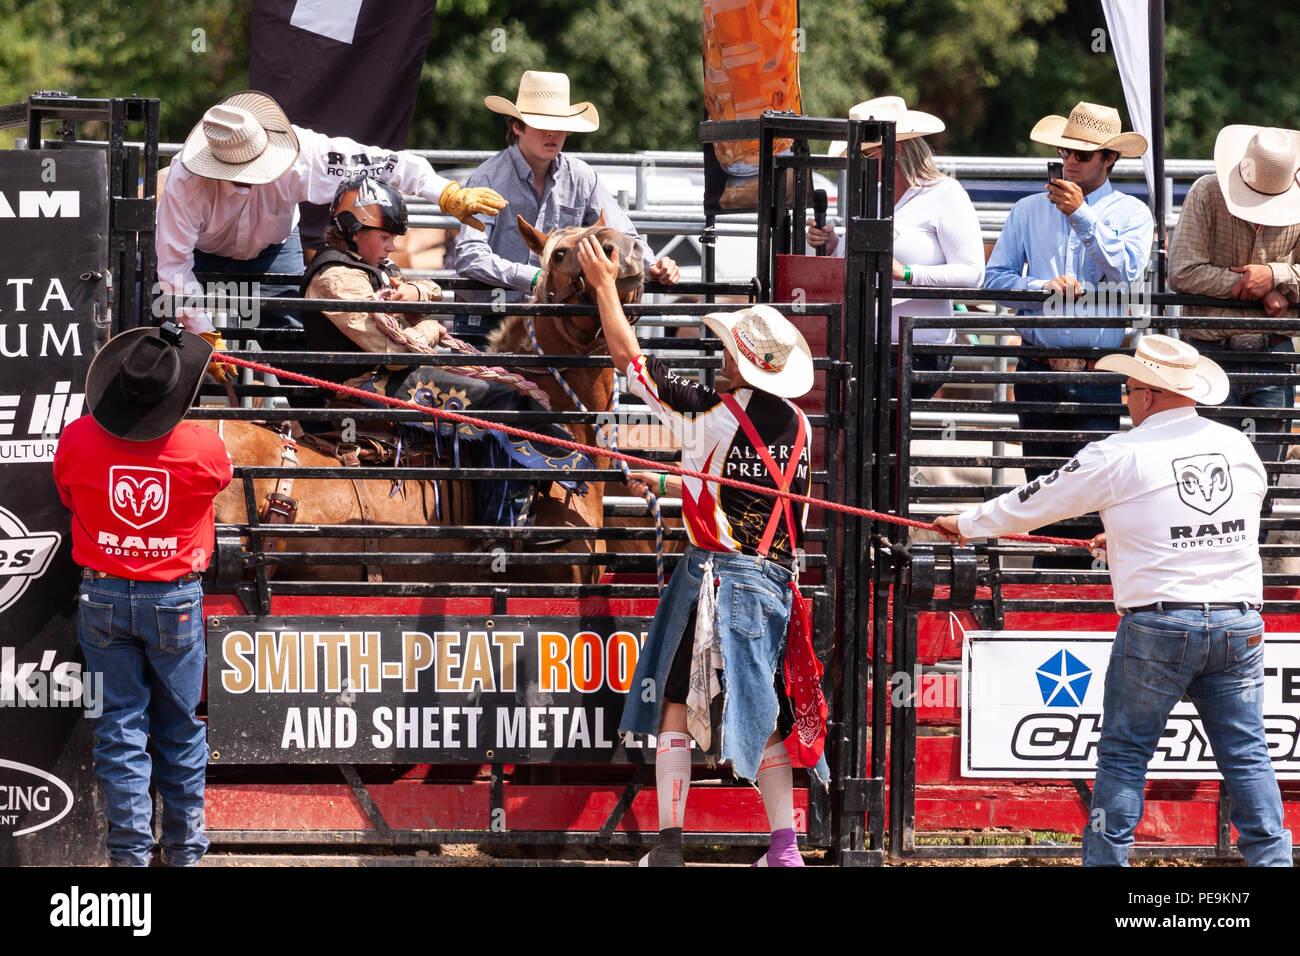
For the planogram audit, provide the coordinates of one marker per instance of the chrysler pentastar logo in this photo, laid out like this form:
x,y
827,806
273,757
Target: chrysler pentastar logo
x,y
1063,680
24,556
1204,481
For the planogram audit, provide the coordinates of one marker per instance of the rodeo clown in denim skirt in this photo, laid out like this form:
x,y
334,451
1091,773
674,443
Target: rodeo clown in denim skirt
x,y
1180,499
140,484
714,666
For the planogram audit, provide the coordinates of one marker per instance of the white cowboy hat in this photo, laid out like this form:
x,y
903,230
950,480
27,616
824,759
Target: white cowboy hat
x,y
908,124
245,138
543,103
1257,173
1166,363
1089,127
769,351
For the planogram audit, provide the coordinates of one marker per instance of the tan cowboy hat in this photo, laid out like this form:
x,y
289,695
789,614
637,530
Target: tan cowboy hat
x,y
908,124
1257,173
1089,127
245,138
769,351
1166,363
543,103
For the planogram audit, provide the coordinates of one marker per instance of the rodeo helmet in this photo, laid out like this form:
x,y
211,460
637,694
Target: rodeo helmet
x,y
361,202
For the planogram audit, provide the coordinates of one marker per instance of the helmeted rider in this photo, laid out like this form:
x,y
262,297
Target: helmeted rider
x,y
366,216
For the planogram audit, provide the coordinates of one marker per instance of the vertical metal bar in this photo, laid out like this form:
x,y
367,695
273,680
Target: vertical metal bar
x,y
148,250
781,219
902,738
766,209
1223,832
123,270
33,126
1156,38
800,211
904,441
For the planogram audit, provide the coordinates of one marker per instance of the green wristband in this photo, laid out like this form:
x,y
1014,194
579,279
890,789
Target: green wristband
x,y
907,274
663,484
536,275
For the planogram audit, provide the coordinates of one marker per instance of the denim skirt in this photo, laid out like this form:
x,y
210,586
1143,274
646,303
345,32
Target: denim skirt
x,y
753,601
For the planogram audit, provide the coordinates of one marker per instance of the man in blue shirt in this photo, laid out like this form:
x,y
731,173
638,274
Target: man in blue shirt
x,y
547,188
1085,242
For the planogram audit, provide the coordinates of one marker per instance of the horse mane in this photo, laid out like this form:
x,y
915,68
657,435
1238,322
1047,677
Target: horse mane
x,y
510,336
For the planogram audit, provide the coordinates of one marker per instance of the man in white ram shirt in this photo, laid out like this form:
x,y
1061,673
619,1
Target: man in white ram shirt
x,y
230,204
1180,499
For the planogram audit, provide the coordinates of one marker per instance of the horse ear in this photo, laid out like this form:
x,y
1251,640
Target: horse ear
x,y
533,238
601,220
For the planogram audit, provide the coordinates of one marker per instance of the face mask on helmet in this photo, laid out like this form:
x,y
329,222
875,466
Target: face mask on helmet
x,y
362,202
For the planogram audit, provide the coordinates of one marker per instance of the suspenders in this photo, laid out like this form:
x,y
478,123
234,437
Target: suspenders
x,y
783,480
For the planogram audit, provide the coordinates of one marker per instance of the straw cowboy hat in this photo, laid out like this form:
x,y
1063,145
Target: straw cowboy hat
x,y
245,138
1089,127
1257,173
908,124
143,381
543,103
1166,363
769,351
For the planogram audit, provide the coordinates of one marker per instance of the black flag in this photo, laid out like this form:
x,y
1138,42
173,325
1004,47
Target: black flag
x,y
343,68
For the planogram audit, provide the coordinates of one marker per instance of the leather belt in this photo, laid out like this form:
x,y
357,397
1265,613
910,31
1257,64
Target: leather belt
x,y
92,574
1161,606
1243,342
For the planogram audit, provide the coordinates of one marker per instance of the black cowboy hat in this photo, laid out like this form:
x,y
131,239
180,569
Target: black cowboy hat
x,y
143,381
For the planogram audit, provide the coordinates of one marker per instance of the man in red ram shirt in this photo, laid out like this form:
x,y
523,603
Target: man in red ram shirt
x,y
140,484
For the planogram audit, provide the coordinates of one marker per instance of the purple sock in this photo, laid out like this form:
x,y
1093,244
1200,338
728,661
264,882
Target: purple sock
x,y
784,850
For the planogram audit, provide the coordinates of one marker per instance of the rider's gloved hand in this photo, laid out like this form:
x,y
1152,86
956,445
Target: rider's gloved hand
x,y
464,204
216,369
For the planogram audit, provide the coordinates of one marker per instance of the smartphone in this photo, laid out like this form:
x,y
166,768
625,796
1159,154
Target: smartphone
x,y
1055,170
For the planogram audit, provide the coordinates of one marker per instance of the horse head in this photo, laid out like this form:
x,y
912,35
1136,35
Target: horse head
x,y
562,281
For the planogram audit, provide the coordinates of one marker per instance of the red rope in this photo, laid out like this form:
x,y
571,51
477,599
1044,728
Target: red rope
x,y
228,359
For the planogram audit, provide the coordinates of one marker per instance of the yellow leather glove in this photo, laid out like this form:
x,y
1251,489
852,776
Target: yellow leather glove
x,y
464,204
216,369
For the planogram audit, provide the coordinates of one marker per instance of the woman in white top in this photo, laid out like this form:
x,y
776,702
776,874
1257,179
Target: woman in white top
x,y
937,238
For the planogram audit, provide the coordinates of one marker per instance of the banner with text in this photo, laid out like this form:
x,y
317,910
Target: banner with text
x,y
416,690
1032,708
53,317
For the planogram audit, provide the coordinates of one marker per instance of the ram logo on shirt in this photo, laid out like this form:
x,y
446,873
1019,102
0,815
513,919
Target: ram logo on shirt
x,y
1204,481
138,495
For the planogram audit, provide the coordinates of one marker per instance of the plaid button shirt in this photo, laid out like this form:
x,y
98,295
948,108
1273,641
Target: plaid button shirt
x,y
1209,240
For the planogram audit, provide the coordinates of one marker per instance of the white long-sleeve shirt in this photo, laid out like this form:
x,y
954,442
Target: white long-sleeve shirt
x,y
937,233
1179,496
220,217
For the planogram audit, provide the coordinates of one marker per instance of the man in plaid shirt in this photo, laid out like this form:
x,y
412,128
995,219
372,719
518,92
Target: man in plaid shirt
x,y
1238,237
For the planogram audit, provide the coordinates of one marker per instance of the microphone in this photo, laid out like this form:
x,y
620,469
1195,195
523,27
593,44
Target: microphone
x,y
819,215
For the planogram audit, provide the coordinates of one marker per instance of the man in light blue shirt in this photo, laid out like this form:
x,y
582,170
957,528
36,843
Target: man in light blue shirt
x,y
547,188
1087,243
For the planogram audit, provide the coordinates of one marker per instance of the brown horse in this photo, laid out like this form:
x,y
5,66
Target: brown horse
x,y
338,501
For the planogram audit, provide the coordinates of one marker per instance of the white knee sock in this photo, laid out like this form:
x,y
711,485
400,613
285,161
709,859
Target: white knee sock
x,y
776,783
672,777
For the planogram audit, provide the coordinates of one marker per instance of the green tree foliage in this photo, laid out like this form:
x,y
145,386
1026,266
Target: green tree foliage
x,y
639,63
188,53
990,68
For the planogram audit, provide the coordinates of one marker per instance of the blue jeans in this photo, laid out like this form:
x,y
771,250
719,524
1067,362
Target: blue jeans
x,y
1216,658
147,639
282,257
754,601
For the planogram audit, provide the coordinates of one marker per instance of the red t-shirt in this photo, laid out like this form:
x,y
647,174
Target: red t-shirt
x,y
141,510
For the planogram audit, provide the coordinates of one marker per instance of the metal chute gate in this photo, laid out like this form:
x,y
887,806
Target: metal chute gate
x,y
409,713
